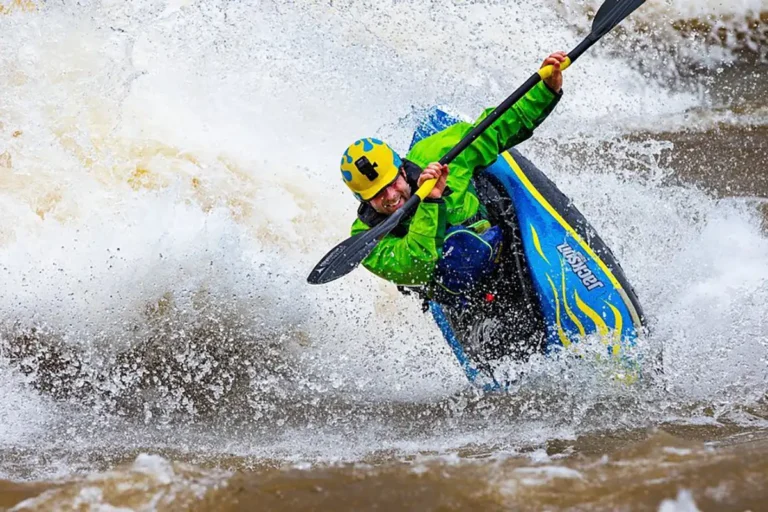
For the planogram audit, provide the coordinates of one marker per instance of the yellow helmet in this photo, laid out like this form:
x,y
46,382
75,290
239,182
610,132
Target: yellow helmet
x,y
368,166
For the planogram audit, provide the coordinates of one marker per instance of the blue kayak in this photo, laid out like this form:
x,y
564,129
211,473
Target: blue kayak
x,y
560,282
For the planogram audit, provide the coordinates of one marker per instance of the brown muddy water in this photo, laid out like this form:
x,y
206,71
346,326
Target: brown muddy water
x,y
717,467
159,350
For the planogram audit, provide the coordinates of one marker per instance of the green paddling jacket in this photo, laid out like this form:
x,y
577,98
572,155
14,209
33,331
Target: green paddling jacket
x,y
410,260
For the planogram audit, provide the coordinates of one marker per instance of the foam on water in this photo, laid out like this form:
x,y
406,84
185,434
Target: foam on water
x,y
683,503
174,164
150,483
23,413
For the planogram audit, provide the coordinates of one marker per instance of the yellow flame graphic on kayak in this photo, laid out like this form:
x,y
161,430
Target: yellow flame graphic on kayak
x,y
537,243
602,327
560,332
570,312
619,323
600,324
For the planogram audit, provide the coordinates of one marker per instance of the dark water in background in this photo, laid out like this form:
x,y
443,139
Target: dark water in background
x,y
165,183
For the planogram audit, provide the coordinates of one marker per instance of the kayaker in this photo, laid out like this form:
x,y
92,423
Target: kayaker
x,y
416,253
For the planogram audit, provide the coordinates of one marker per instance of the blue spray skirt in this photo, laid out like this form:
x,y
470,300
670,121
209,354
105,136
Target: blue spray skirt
x,y
580,288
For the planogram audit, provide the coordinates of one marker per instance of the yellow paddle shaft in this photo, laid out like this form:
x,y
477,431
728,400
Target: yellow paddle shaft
x,y
425,189
547,71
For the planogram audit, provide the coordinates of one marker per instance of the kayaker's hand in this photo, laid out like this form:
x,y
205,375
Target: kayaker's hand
x,y
555,82
434,171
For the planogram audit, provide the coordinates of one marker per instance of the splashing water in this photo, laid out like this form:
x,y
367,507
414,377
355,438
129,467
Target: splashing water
x,y
168,178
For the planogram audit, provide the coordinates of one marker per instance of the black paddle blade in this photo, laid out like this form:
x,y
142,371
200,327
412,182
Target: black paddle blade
x,y
345,257
611,13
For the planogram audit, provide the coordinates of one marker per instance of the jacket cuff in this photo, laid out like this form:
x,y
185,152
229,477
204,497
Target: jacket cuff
x,y
541,92
545,97
557,94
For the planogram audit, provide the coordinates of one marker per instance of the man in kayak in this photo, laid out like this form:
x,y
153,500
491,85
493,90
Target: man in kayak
x,y
448,245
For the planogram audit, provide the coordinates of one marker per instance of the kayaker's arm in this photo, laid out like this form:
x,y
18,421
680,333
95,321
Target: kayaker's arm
x,y
516,125
410,260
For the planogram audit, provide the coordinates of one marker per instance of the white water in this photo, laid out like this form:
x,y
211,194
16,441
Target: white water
x,y
185,153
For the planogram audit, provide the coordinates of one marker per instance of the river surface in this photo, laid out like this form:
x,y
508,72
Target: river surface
x,y
168,177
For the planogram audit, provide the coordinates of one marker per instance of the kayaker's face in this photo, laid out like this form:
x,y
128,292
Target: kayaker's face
x,y
391,198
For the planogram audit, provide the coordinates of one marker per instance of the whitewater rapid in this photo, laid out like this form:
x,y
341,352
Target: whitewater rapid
x,y
168,171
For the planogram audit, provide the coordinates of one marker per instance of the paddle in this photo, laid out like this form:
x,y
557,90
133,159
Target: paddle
x,y
343,258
